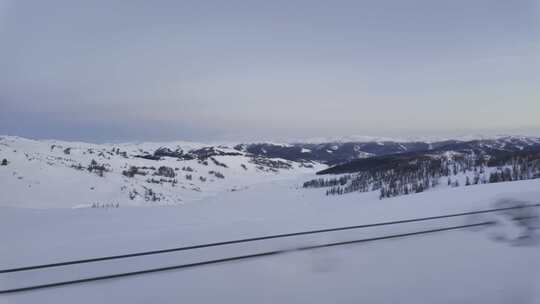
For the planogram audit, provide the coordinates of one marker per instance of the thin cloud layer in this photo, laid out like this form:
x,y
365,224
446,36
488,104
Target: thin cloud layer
x,y
203,70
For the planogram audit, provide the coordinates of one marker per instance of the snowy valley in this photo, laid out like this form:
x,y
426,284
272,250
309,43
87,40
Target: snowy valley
x,y
50,173
65,201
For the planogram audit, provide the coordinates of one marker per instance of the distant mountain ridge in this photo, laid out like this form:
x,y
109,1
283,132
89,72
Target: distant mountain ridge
x,y
333,153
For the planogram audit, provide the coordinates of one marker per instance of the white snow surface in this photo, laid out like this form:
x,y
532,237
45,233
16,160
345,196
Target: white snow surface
x,y
41,175
465,266
484,265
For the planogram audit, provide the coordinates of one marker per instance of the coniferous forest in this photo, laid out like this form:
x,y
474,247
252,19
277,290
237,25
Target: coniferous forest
x,y
403,174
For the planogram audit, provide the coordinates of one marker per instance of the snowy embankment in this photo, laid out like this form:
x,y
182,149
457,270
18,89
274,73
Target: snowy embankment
x,y
447,267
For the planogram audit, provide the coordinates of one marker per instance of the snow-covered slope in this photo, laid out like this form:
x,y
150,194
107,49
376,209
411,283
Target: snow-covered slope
x,y
437,268
340,150
425,139
50,173
500,261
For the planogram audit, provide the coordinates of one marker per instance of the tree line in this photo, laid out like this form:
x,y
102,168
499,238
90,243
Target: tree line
x,y
422,173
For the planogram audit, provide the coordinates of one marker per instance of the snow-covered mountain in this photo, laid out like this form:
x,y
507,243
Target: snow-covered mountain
x,y
51,173
452,164
65,174
339,151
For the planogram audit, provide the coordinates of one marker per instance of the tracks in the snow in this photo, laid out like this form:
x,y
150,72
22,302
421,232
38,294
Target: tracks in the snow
x,y
370,232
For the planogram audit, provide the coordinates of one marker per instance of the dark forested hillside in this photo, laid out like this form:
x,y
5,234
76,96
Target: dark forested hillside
x,y
414,172
330,153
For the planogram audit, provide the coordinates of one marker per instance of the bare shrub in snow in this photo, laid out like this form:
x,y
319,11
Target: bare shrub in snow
x,y
216,174
165,171
99,169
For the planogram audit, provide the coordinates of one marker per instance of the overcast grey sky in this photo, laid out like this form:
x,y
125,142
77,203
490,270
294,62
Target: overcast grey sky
x,y
218,70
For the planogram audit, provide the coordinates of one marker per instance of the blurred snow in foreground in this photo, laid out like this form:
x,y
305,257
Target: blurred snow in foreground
x,y
467,266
